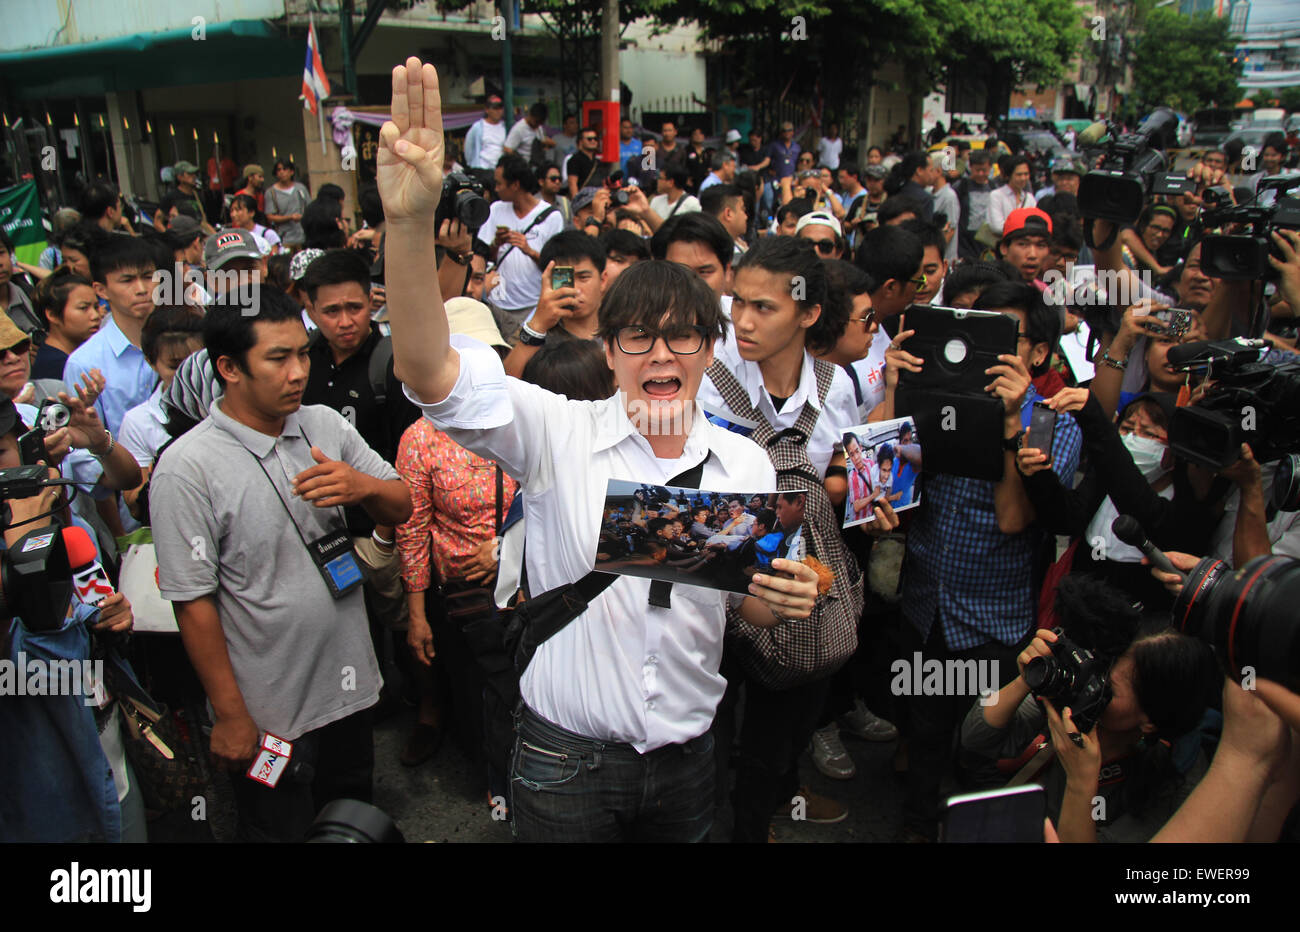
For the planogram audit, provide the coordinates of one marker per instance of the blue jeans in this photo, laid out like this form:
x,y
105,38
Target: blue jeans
x,y
567,788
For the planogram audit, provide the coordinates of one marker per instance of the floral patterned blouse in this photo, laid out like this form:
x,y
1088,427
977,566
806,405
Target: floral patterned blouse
x,y
453,498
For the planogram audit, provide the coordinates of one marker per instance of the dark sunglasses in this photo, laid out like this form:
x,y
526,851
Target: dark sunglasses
x,y
20,349
824,246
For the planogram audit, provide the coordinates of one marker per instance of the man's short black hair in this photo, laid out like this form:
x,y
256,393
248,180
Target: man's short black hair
x,y
972,276
570,247
798,258
717,198
539,111
928,233
1067,233
5,242
889,253
372,208
647,291
697,227
98,198
575,369
516,170
980,157
655,525
845,277
331,191
335,267
625,243
118,251
851,168
228,327
798,207
1042,321
1008,164
678,175
767,518
895,206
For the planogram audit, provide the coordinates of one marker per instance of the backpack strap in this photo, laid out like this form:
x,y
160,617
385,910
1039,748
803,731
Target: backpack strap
x,y
380,359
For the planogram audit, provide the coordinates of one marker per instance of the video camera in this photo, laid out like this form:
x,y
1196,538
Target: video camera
x,y
1244,256
35,576
1133,168
464,198
1249,402
1247,615
1072,677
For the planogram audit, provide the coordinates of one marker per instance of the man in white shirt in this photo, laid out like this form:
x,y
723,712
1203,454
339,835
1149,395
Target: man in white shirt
x,y
672,198
829,148
625,695
518,226
487,137
528,132
1014,195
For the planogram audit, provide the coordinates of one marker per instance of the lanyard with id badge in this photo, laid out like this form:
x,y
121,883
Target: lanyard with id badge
x,y
333,553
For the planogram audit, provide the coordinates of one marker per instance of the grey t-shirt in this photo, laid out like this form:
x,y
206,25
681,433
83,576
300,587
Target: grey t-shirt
x,y
293,201
301,658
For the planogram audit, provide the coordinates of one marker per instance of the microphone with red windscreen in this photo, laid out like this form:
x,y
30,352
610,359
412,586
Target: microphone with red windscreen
x,y
88,578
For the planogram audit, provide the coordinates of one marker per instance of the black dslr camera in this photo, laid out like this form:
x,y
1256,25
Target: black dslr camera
x,y
1072,677
1132,169
1250,402
464,198
1244,255
1248,615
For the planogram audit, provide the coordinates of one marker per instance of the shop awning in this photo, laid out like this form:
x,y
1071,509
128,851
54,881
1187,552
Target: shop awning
x,y
230,51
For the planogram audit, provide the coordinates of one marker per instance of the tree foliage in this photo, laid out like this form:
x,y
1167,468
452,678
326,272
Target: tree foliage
x,y
1185,62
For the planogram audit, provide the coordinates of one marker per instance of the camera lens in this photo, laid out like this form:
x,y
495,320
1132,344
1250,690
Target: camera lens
x,y
349,821
471,209
1041,675
1248,615
1286,483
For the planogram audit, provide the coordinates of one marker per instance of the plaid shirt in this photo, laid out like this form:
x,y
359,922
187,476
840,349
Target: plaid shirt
x,y
961,568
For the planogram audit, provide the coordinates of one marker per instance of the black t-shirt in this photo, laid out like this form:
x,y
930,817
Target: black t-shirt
x,y
176,196
698,166
751,156
581,166
49,363
346,388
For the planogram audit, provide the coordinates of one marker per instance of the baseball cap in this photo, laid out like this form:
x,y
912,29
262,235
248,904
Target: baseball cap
x,y
733,135
878,172
1065,164
301,259
473,319
1027,221
820,218
183,166
9,419
494,101
584,198
184,227
253,168
227,245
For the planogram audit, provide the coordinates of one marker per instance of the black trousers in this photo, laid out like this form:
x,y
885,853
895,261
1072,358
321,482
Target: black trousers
x,y
336,761
776,726
934,720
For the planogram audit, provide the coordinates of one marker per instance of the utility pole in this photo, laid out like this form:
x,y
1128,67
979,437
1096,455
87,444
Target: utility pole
x,y
507,66
609,30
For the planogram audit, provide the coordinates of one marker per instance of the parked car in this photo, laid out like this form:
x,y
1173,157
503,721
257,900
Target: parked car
x,y
1211,127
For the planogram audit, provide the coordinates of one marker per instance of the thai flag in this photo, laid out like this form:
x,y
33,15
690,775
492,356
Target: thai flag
x,y
315,84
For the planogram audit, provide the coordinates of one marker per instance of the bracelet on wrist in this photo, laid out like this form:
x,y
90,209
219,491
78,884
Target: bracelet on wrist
x,y
374,535
1118,364
530,337
111,443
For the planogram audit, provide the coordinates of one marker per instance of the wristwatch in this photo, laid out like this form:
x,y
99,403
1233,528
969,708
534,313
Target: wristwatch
x,y
530,337
1012,444
464,259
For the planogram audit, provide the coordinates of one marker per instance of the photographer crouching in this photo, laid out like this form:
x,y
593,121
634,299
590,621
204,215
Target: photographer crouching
x,y
1108,729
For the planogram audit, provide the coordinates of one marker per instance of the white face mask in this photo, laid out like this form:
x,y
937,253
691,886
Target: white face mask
x,y
1148,455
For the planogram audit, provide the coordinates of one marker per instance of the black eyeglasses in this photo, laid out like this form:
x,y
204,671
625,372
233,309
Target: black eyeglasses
x,y
637,341
19,349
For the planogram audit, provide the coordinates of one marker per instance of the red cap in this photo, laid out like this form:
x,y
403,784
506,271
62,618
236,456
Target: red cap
x,y
1027,220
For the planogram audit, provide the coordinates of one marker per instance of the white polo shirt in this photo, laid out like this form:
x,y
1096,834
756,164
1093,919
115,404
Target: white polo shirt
x,y
624,671
839,414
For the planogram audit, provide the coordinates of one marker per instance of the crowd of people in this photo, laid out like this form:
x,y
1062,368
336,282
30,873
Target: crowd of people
x,y
400,437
